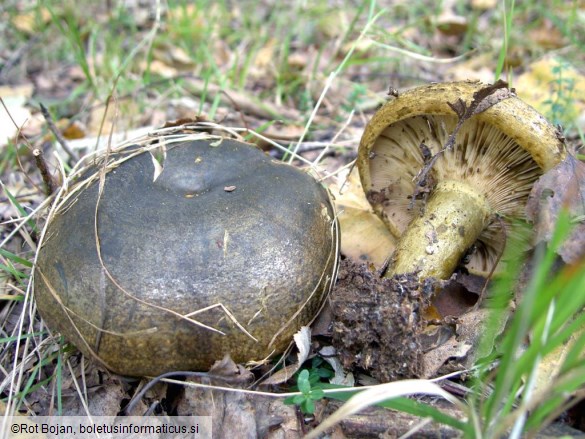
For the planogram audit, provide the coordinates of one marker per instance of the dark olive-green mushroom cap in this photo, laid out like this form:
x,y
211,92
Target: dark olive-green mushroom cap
x,y
225,252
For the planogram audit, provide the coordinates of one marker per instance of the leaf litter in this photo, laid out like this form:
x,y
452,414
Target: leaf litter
x,y
563,187
97,380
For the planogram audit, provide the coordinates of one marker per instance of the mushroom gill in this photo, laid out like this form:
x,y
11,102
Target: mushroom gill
x,y
483,157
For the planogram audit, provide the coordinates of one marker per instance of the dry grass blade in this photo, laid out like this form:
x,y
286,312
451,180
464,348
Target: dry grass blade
x,y
418,56
383,392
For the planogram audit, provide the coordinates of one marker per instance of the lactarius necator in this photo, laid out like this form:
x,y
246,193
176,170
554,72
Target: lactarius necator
x,y
441,200
217,250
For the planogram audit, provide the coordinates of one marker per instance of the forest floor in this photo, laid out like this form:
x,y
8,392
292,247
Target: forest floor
x,y
290,76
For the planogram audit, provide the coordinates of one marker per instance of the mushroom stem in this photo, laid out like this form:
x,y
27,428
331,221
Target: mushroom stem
x,y
434,243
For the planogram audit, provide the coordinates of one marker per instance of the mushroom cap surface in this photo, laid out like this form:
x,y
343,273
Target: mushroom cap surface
x,y
225,252
500,151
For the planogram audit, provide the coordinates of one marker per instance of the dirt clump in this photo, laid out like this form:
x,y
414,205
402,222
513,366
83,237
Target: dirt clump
x,y
377,322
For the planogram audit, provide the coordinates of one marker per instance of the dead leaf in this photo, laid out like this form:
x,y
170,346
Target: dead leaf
x,y
459,294
433,360
265,55
103,399
112,122
298,60
281,131
72,129
547,36
303,341
451,24
160,68
30,22
333,24
471,328
434,336
561,187
329,354
550,366
236,414
173,56
226,368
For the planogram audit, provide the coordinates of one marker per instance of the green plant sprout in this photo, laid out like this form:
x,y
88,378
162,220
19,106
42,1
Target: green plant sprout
x,y
561,102
310,394
309,383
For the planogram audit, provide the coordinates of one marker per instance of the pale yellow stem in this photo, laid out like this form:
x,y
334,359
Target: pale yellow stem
x,y
455,215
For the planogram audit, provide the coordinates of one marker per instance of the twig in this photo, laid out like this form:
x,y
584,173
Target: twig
x,y
185,374
482,100
48,180
53,128
244,101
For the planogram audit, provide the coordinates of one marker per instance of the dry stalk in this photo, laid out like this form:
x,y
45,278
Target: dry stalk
x,y
48,180
60,139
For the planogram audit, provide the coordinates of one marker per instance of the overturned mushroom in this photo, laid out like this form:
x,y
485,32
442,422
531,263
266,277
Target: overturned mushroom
x,y
222,251
459,190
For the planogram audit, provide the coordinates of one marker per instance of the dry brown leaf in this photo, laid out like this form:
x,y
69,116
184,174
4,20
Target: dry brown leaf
x,y
159,68
71,129
113,121
226,368
264,57
451,24
433,360
173,56
364,237
103,399
329,354
298,60
561,187
34,126
302,339
284,131
550,366
547,36
455,299
237,414
29,22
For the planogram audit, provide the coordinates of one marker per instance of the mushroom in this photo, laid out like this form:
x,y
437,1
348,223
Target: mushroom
x,y
460,191
223,251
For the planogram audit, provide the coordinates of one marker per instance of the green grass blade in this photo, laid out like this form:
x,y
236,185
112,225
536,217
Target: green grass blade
x,y
15,258
508,16
22,337
18,207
